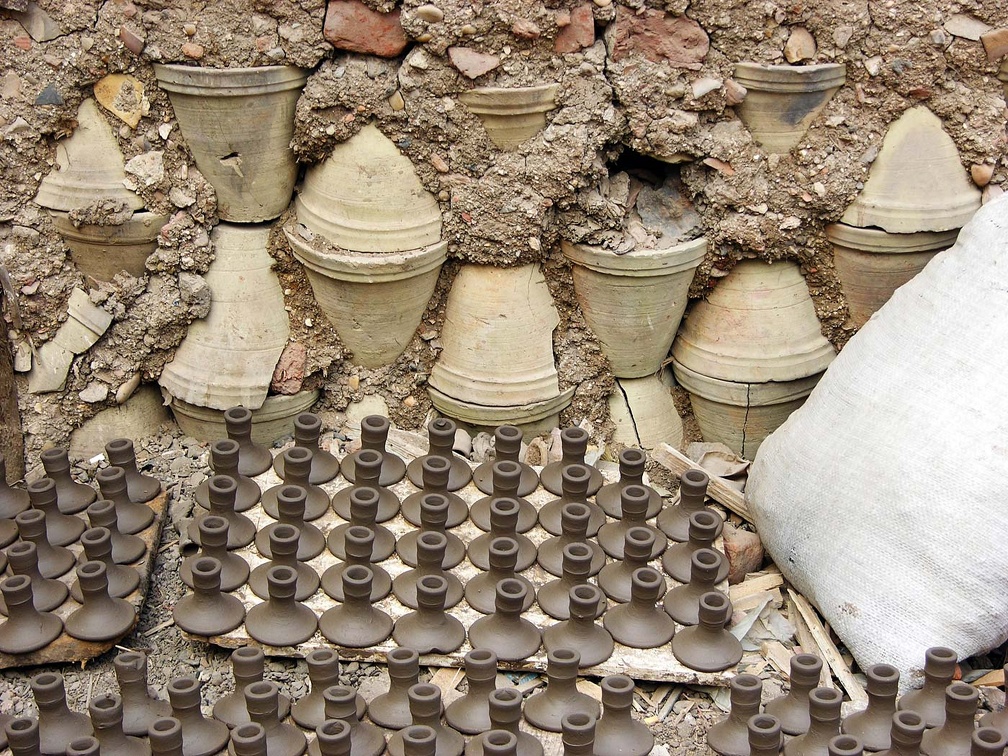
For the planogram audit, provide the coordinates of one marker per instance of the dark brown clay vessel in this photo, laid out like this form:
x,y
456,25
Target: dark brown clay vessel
x,y
323,671
307,431
248,666
792,709
425,710
21,734
332,738
47,594
988,741
141,706
433,516
102,617
612,535
248,740
73,497
574,444
415,740
222,490
824,713
616,578
683,602
574,524
213,540
429,629
674,520
705,527
436,473
356,623
708,647
505,715
730,736
872,725
391,709
631,468
844,745
954,736
581,632
61,529
8,534
206,611
121,453
574,481
929,701
262,700
506,632
374,435
165,737
88,746
616,731
507,448
641,623
57,724
297,470
358,544
53,561
368,472
200,736
546,710
470,714
106,712
26,629
281,620
578,734
12,500
224,461
253,459
481,591
554,597
341,704
506,482
906,732
122,581
131,516
363,509
764,735
126,549
291,502
441,436
430,556
503,521
493,743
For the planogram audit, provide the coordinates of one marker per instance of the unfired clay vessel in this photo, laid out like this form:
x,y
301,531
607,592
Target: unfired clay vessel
x,y
953,737
102,617
764,735
641,623
126,549
121,453
391,709
290,503
504,513
631,467
73,497
53,561
61,529
708,647
547,709
554,597
58,725
580,632
47,594
430,557
616,731
368,471
441,437
616,578
824,712
358,544
363,510
284,543
224,460
872,725
470,714
792,709
297,470
906,732
633,505
433,516
730,736
141,706
206,611
132,517
674,520
307,430
221,492
574,445
323,671
374,436
436,472
281,620
481,591
578,736
929,701
507,480
507,448
425,710
248,665
200,736
705,527
213,532
26,629
106,712
253,458
505,632
356,623
574,519
365,738
683,602
122,581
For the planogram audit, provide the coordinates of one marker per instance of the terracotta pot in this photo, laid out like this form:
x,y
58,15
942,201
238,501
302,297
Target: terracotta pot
x,y
367,197
1002,75
270,422
102,251
511,115
644,411
783,100
238,124
872,263
228,358
634,302
917,182
497,363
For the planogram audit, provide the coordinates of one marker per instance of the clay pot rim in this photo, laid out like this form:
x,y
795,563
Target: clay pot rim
x,y
275,407
367,267
759,394
768,77
143,225
201,81
880,242
482,414
538,98
662,261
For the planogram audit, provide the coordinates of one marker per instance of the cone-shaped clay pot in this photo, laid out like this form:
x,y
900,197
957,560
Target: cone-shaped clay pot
x,y
100,252
616,731
141,706
634,302
730,736
26,628
547,709
57,724
228,357
791,709
917,182
497,364
764,735
782,100
391,709
929,701
272,419
708,647
824,712
954,735
200,736
872,726
253,457
507,448
511,115
751,353
238,123
644,411
470,714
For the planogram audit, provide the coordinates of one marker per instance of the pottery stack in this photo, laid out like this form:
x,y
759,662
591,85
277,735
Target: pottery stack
x,y
238,123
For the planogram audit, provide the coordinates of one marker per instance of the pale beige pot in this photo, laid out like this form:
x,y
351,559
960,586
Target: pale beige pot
x,y
644,412
634,302
374,300
782,100
367,197
238,124
272,421
141,415
1002,75
872,263
496,365
511,115
228,358
103,251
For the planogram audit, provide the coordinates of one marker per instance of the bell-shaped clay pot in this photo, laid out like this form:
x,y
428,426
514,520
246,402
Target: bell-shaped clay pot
x,y
511,115
391,709
470,714
791,710
730,736
644,412
929,701
272,419
507,448
616,731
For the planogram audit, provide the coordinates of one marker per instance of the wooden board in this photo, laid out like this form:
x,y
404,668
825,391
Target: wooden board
x,y
68,649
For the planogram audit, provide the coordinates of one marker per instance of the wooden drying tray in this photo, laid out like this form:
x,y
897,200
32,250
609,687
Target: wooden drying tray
x,y
68,649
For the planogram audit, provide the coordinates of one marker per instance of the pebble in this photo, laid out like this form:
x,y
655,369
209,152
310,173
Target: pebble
x,y
181,198
429,13
95,392
192,50
396,101
472,63
132,40
148,168
873,65
800,45
164,130
525,29
967,27
842,35
705,86
189,29
982,173
49,96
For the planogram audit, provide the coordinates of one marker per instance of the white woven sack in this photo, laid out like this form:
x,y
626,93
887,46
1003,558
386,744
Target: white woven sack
x,y
883,499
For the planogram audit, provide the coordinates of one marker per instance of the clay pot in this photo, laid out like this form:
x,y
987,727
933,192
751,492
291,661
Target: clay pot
x,y
26,629
574,489
61,529
616,731
367,467
497,364
631,468
493,743
53,561
505,714
290,502
708,647
166,737
101,252
791,709
141,706
253,459
238,123
616,578
13,500
705,527
470,714
953,737
633,303
554,597
634,504
425,710
505,514
988,741
730,736
917,182
374,436
929,701
996,719
307,430
47,594
573,445
200,736
441,438
363,510
272,419
356,623
332,739
750,353
580,632
507,478
844,745
506,632
436,476
783,100
644,412
323,671
206,611
297,469
263,701
906,733
57,725
547,709
106,712
213,535
674,520
391,709
872,263
481,591
683,602
248,740
872,725
126,549
433,516
430,558
122,581
281,620
358,544
511,115
228,357
21,734
824,712
574,524
341,704
248,665
578,734
416,740
102,617
139,487
222,491
640,623
131,517
764,735
507,447
73,497
224,460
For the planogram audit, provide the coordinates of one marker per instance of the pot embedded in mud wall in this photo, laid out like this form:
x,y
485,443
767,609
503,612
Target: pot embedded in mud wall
x,y
273,420
782,100
635,301
90,172
750,353
511,115
497,364
1002,75
644,411
369,236
238,123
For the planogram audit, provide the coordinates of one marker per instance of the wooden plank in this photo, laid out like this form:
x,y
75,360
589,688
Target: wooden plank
x,y
756,583
779,656
678,463
750,602
827,649
993,679
807,642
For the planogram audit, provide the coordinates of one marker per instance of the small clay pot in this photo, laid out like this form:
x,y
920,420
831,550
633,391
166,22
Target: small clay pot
x,y
132,517
436,473
580,632
61,529
429,629
631,469
332,738
505,715
792,709
262,700
481,591
248,740
425,710
141,706
297,470
824,712
433,516
341,704
616,731
88,746
122,581
21,734
673,521
106,712
102,617
504,513
207,612
996,719
441,436
430,556
73,497
281,620
391,709
213,540
356,623
641,623
988,741
416,740
554,597
253,459
53,561
872,725
683,602
578,734
705,527
374,435
307,431
121,453
47,594
470,714
574,444
616,578
165,737
708,647
493,743
363,509
358,544
12,500
764,734
844,745
26,629
612,535
547,709
200,736
8,534
222,490
906,733
368,471
506,482
126,549
954,735
248,665
506,632
323,671
507,448
574,524
929,701
224,461
575,480
57,725
730,736
291,501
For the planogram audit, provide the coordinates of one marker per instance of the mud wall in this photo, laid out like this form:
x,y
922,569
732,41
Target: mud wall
x,y
642,86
